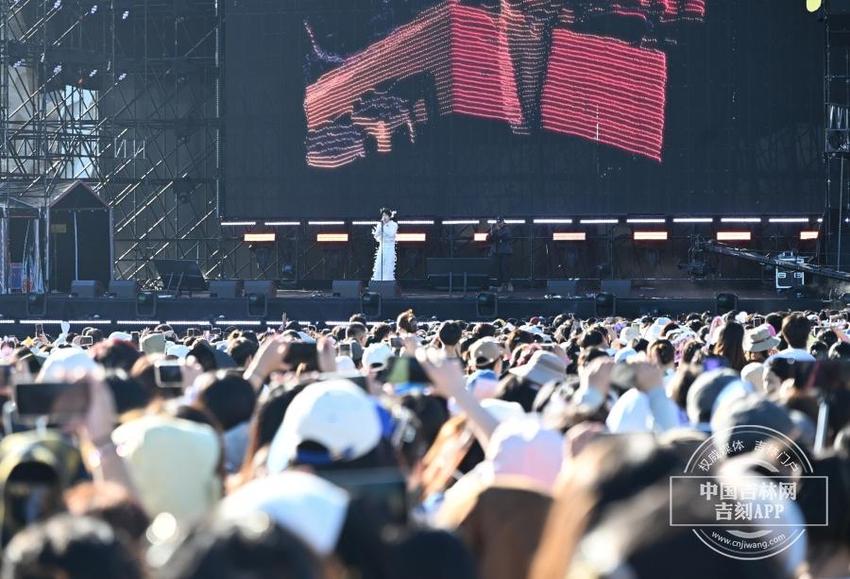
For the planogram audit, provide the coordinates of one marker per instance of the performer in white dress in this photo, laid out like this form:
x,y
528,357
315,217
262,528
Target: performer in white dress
x,y
384,233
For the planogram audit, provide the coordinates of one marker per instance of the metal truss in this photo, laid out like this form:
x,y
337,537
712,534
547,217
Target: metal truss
x,y
124,95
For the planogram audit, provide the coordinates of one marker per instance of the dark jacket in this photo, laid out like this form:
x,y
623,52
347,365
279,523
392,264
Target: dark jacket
x,y
500,240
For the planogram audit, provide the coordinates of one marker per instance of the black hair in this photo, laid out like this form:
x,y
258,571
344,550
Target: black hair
x,y
129,394
115,354
69,546
355,330
389,212
203,353
795,330
267,419
228,397
242,349
252,547
411,555
840,351
819,349
380,332
591,338
450,333
431,411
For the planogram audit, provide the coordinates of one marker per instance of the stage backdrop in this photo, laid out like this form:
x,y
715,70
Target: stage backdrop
x,y
333,108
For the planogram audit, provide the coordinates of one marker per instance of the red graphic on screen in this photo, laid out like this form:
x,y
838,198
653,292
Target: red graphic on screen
x,y
533,64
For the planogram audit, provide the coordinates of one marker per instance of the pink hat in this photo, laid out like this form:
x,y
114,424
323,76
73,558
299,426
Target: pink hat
x,y
523,448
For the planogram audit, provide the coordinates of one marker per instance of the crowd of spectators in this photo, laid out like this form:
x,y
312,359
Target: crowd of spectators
x,y
418,449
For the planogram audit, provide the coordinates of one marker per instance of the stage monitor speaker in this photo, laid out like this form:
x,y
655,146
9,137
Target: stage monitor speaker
x,y
146,305
258,305
725,303
36,304
371,304
265,287
347,288
386,289
124,289
226,288
86,288
621,288
487,305
605,305
562,287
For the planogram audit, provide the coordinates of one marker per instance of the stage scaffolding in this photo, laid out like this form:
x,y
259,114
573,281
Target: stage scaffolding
x,y
123,95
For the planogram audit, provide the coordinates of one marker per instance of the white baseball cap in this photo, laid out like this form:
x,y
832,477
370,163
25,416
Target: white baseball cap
x,y
376,355
309,506
64,361
336,414
628,334
654,331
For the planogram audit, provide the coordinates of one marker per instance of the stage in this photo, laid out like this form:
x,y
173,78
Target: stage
x,y
322,306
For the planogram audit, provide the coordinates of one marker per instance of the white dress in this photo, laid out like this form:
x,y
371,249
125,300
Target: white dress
x,y
384,234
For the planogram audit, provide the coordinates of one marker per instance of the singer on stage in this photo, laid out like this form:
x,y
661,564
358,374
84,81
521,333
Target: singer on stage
x,y
384,233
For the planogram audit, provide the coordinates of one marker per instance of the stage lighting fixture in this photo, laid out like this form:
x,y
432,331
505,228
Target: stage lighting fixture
x,y
267,237
411,237
146,305
693,220
332,238
734,236
487,305
371,304
605,305
650,236
480,236
725,302
569,236
36,304
258,305
813,5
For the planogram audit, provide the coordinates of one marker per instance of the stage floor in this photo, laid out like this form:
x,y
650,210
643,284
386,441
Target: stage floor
x,y
322,306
